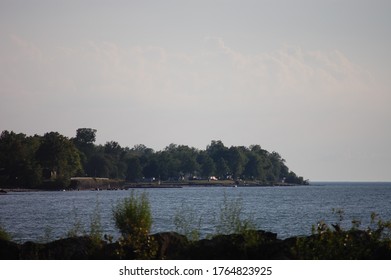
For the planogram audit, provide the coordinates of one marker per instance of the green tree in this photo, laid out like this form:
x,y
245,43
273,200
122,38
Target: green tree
x,y
113,149
24,159
85,136
142,151
185,158
222,168
276,169
84,142
99,165
168,166
117,155
59,156
18,165
134,169
207,165
255,167
237,160
216,150
292,178
151,167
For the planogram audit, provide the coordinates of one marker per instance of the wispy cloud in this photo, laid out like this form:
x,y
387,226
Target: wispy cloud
x,y
216,78
140,72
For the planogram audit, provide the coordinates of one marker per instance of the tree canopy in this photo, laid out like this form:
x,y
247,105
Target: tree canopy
x,y
52,159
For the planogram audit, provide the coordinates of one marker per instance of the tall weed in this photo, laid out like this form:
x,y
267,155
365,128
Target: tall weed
x,y
133,219
335,242
230,217
96,231
77,228
4,235
188,222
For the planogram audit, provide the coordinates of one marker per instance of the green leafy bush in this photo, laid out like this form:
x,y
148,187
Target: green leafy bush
x,y
133,214
335,242
133,219
4,235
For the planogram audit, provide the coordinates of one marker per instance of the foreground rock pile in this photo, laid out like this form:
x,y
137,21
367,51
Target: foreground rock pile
x,y
171,245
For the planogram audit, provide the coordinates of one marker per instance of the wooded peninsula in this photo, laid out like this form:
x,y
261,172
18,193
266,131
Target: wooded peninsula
x,y
51,160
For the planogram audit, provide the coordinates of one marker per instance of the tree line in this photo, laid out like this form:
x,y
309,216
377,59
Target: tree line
x,y
52,159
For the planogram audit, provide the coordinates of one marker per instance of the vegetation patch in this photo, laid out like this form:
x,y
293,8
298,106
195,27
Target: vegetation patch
x,y
4,235
133,219
52,160
236,241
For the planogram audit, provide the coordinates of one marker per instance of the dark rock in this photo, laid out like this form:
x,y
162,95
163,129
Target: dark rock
x,y
224,247
9,250
31,251
171,245
251,245
74,248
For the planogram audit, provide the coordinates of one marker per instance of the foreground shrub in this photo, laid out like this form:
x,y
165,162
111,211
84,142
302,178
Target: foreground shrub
x,y
77,228
230,218
133,219
4,235
334,242
188,222
96,231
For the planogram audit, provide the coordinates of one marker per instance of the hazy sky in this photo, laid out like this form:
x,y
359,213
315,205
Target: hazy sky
x,y
308,79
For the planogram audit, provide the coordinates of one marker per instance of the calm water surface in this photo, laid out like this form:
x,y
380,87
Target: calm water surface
x,y
288,211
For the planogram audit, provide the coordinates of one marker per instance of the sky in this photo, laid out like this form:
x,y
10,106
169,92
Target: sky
x,y
308,79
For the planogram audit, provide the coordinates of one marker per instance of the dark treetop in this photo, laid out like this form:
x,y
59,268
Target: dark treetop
x,y
50,161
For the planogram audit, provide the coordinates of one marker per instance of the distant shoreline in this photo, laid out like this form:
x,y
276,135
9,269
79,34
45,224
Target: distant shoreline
x,y
153,185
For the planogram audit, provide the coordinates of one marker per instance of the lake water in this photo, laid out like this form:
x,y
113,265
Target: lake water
x,y
287,211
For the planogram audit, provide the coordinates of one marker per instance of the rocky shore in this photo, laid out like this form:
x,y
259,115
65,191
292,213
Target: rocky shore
x,y
171,245
113,185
